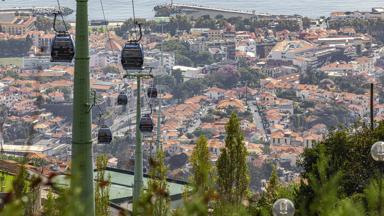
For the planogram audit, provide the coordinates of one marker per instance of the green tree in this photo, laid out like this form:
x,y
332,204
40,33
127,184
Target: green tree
x,y
251,76
306,22
273,191
155,199
225,77
201,58
347,170
373,27
178,75
19,185
233,179
323,186
161,10
189,88
50,206
179,22
183,60
200,192
173,46
203,132
165,80
205,22
374,197
111,69
201,166
102,187
291,25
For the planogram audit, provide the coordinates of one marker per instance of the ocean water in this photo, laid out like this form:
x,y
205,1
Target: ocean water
x,y
121,9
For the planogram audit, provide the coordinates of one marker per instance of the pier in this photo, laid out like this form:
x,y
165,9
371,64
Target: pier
x,y
34,11
199,10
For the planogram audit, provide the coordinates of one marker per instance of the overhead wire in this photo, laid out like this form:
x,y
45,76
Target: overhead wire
x,y
61,14
134,19
106,25
133,12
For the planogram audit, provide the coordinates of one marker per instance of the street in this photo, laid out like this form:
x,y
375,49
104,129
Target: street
x,y
257,119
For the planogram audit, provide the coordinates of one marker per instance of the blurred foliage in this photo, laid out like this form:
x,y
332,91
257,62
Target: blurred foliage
x,y
155,198
339,178
102,187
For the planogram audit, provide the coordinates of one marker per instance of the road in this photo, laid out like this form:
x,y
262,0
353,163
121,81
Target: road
x,y
257,119
204,112
120,124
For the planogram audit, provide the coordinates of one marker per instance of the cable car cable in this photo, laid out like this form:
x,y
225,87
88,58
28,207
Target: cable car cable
x,y
135,22
106,25
62,17
133,12
62,46
132,54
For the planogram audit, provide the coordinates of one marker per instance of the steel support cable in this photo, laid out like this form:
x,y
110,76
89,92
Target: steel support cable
x,y
62,17
134,20
106,25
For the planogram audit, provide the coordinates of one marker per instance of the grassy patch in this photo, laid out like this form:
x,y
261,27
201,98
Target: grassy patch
x,y
8,181
11,61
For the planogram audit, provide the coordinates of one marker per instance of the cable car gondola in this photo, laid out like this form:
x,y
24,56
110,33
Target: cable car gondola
x,y
152,92
62,48
122,99
146,124
104,136
132,55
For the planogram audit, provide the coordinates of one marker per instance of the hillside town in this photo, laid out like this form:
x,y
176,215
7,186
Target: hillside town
x,y
291,80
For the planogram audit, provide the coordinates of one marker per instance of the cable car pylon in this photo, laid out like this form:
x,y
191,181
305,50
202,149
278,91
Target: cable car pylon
x,y
82,165
159,146
138,170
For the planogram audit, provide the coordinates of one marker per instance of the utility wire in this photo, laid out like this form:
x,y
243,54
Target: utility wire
x,y
106,25
134,19
133,12
61,14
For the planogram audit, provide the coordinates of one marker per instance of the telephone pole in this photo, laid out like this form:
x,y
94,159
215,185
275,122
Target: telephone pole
x,y
82,164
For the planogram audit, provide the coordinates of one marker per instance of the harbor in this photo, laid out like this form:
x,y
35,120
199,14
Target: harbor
x,y
34,11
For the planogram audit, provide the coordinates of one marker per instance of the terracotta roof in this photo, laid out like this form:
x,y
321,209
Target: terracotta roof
x,y
231,102
215,90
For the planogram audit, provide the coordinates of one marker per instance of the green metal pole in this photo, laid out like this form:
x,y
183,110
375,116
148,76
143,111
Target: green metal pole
x,y
161,47
138,179
371,109
82,166
158,144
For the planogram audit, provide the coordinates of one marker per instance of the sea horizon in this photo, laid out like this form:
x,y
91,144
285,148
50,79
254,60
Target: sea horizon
x,y
122,10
